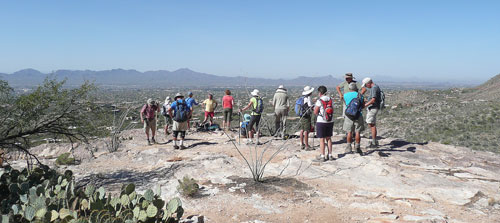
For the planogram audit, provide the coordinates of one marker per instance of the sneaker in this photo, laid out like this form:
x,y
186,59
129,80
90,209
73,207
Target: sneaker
x,y
153,140
348,149
320,159
326,157
330,157
308,148
358,149
176,147
372,145
376,143
302,146
149,142
182,147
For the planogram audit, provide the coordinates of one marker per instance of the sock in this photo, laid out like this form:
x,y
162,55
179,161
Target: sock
x,y
182,142
322,155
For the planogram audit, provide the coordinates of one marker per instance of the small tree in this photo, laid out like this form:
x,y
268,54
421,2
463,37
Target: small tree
x,y
49,111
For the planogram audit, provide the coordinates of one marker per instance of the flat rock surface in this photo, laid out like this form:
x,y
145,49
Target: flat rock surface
x,y
397,182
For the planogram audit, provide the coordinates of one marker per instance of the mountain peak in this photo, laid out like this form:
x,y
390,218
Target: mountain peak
x,y
28,71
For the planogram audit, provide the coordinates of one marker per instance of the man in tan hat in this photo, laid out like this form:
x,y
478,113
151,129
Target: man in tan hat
x,y
281,105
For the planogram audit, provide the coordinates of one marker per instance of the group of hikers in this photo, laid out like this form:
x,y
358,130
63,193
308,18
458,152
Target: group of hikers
x,y
178,113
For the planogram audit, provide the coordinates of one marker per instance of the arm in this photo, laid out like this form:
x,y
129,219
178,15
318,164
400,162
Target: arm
x,y
316,110
363,90
246,107
142,111
371,101
340,93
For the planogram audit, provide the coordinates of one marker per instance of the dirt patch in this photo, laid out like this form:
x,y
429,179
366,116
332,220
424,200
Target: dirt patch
x,y
269,186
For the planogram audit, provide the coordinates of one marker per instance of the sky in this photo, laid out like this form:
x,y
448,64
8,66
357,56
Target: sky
x,y
425,40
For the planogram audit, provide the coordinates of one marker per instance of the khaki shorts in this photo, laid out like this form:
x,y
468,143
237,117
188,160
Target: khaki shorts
x,y
305,124
357,125
371,117
150,125
180,126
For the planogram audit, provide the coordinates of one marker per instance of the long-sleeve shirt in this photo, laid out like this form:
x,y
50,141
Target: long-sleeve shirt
x,y
280,100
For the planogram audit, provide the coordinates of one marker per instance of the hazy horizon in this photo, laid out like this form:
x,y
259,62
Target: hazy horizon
x,y
452,41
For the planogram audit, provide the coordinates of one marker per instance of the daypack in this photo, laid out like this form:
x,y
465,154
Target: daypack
x,y
382,100
181,111
164,111
354,108
301,108
328,110
260,106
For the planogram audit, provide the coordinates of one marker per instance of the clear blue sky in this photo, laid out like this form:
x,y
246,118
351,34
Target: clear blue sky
x,y
434,40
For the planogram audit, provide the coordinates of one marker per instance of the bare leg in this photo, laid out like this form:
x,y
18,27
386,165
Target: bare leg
x,y
302,137
374,131
349,137
322,146
329,139
306,138
358,138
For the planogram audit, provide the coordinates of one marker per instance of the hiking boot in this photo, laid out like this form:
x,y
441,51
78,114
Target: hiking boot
x,y
149,142
358,149
302,146
153,140
372,145
320,159
176,147
348,149
308,148
182,147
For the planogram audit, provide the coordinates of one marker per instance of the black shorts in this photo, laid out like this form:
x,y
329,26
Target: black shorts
x,y
324,130
254,119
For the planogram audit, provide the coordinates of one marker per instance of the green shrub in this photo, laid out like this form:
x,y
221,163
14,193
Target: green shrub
x,y
43,195
188,186
65,159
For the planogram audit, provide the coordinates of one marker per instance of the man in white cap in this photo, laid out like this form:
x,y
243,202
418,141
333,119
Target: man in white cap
x,y
281,105
148,117
257,106
373,106
180,111
304,105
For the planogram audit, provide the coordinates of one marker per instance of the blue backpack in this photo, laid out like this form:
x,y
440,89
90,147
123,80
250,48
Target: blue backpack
x,y
354,108
301,108
181,111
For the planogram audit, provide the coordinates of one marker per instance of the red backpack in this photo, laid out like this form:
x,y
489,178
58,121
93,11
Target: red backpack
x,y
328,110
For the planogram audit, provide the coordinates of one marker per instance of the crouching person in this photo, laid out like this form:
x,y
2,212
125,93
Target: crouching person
x,y
180,111
353,121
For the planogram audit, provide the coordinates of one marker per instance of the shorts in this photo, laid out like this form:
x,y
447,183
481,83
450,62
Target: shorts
x,y
228,113
168,120
324,130
371,116
254,119
183,134
179,126
150,124
357,125
211,114
305,124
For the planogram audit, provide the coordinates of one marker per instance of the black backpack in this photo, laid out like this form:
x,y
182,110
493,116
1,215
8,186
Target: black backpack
x,y
181,111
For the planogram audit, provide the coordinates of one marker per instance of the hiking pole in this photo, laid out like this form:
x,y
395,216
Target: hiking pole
x,y
239,128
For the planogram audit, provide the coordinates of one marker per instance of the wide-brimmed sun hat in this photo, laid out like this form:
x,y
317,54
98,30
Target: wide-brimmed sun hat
x,y
255,92
348,75
366,81
150,101
246,117
168,99
307,90
178,95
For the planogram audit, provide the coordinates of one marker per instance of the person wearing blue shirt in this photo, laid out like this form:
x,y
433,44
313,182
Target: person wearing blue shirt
x,y
179,127
191,102
351,126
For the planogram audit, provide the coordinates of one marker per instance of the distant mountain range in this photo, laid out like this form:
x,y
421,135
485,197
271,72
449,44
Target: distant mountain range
x,y
160,78
187,78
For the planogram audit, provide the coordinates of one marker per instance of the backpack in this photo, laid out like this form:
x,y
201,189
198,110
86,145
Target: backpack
x,y
301,108
354,108
181,111
164,111
328,110
260,106
382,100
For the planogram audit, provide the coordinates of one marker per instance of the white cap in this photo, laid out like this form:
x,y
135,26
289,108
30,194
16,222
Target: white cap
x,y
255,92
366,81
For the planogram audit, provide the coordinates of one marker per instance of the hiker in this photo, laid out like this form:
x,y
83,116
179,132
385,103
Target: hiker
x,y
373,106
353,122
191,102
257,105
164,112
303,108
343,88
148,118
180,111
281,105
210,106
244,125
324,123
227,106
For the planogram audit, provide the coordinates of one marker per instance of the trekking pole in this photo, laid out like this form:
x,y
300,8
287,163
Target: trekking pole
x,y
239,128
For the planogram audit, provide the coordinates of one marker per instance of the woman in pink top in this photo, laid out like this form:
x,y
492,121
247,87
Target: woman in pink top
x,y
227,105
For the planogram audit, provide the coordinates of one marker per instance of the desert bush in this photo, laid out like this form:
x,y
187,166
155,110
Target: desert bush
x,y
43,195
188,186
65,159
